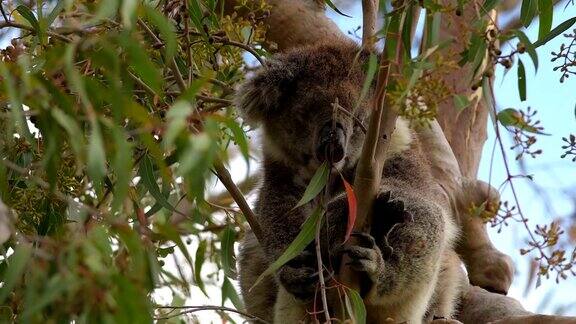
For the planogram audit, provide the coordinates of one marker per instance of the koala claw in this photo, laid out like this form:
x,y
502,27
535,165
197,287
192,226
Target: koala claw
x,y
363,259
364,240
299,275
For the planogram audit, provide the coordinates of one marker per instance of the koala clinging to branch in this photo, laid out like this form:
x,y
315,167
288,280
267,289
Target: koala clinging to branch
x,y
410,271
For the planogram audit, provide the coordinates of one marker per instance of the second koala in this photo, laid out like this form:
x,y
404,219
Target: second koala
x,y
411,272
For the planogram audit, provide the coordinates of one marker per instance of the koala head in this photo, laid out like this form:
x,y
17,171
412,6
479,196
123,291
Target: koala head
x,y
293,100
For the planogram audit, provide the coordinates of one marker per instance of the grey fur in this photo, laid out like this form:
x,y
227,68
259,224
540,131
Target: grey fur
x,y
412,232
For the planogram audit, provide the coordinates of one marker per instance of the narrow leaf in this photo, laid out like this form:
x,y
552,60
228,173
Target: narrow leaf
x,y
355,306
511,117
546,9
316,184
555,32
146,171
352,208
331,5
521,81
227,252
198,263
29,16
304,238
17,264
529,47
461,101
370,73
527,11
229,292
488,5
96,164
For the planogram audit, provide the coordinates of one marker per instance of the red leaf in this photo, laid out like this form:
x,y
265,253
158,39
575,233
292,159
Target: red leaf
x,y
352,207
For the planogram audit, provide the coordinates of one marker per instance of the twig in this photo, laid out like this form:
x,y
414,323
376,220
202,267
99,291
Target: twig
x,y
193,309
350,115
224,176
247,48
214,99
3,12
8,24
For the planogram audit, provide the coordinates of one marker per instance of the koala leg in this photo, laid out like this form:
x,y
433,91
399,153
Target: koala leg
x,y
452,281
289,309
411,234
251,263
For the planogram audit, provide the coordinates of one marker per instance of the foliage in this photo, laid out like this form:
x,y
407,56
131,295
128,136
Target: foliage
x,y
115,114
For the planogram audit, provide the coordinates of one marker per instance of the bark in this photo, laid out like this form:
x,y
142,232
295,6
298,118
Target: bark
x,y
455,144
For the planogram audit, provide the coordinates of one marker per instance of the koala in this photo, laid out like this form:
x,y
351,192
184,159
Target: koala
x,y
410,272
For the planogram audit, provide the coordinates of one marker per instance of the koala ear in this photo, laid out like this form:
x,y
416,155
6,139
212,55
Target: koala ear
x,y
262,94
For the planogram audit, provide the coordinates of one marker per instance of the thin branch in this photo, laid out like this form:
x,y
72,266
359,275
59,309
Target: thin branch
x,y
247,48
193,309
214,99
224,176
3,12
369,12
8,24
357,121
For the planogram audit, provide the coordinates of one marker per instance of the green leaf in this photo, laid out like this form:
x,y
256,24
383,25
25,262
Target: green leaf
x,y
198,263
229,292
96,164
303,238
529,47
316,184
407,31
55,286
511,117
122,165
370,73
195,13
331,5
16,266
54,13
528,11
461,101
74,133
555,32
16,108
142,65
355,306
176,118
128,12
239,137
227,252
546,9
489,5
29,16
521,81
146,171
166,29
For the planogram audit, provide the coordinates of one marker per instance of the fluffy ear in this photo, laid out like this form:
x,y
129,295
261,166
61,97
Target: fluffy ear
x,y
261,95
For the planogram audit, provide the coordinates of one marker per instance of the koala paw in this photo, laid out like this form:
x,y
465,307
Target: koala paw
x,y
393,209
365,256
388,214
299,276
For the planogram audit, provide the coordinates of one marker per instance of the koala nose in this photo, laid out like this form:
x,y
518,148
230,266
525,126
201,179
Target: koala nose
x,y
331,141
